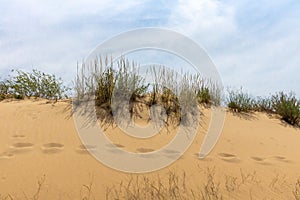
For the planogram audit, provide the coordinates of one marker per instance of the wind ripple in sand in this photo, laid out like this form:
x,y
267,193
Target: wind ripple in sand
x,y
229,157
52,147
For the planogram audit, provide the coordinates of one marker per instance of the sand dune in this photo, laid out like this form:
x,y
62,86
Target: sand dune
x,y
257,156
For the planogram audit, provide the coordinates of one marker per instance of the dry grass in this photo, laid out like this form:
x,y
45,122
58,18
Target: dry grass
x,y
116,82
176,185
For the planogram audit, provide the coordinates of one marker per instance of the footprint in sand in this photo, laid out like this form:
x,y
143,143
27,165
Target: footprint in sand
x,y
205,159
84,149
21,147
52,147
169,153
6,155
18,136
115,148
282,159
229,157
260,160
113,145
144,150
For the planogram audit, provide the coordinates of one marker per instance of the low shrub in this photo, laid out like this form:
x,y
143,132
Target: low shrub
x,y
287,106
33,84
239,101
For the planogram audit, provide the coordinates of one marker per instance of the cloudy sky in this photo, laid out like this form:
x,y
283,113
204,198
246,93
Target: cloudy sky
x,y
254,44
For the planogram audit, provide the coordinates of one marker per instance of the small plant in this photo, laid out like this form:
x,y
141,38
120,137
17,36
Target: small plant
x,y
287,106
239,101
211,189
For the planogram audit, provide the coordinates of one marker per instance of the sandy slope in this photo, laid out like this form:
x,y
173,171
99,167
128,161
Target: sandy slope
x,y
39,142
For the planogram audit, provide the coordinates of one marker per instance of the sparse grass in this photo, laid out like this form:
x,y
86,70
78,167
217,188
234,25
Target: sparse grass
x,y
287,106
176,186
211,189
120,81
264,105
173,186
240,101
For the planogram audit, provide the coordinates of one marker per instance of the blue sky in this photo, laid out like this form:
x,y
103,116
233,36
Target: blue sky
x,y
254,44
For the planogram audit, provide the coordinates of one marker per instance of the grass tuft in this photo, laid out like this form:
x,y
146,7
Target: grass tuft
x,y
287,106
240,101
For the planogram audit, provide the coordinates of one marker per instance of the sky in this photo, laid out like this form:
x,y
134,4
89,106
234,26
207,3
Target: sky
x,y
254,44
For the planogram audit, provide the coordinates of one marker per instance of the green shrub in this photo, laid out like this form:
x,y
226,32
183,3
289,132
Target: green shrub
x,y
287,106
36,84
239,101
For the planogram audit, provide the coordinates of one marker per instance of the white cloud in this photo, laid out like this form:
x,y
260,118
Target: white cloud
x,y
54,35
203,19
254,44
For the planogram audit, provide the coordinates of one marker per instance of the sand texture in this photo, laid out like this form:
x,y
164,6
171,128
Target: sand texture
x,y
42,157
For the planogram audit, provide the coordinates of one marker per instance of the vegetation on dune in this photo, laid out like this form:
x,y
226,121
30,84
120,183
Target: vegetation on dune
x,y
33,84
264,105
107,80
121,80
3,90
240,101
287,106
173,91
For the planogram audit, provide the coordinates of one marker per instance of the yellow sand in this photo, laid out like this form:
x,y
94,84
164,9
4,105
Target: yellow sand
x,y
39,144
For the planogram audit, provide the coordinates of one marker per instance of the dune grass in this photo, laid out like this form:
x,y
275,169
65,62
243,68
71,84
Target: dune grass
x,y
240,101
120,80
107,78
285,105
